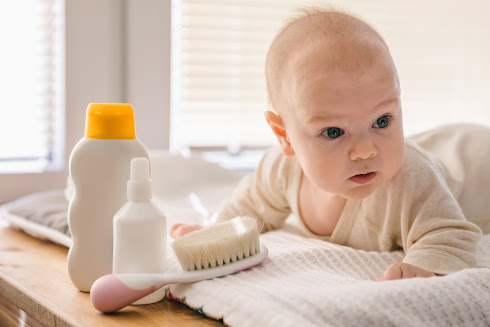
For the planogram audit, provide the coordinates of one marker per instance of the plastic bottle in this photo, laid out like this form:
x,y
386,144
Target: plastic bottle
x,y
100,168
140,231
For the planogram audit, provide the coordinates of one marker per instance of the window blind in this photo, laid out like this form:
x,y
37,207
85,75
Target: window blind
x,y
441,49
30,82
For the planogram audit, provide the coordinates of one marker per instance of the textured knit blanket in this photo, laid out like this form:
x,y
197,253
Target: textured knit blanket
x,y
307,282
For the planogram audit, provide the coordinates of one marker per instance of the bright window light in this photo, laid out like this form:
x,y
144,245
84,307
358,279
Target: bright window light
x,y
31,125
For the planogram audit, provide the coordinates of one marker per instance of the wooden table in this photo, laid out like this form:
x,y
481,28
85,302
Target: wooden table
x,y
35,290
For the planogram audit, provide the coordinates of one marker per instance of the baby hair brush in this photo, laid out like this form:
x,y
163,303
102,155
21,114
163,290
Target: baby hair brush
x,y
211,252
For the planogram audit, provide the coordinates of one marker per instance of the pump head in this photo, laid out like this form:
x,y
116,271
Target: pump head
x,y
139,186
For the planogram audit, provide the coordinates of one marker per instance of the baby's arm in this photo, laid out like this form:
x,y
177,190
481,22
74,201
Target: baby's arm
x,y
417,212
433,230
261,194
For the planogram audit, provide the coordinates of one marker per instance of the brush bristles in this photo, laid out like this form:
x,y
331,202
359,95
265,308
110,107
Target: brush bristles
x,y
218,244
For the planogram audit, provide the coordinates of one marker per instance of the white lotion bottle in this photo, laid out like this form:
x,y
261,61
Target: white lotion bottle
x,y
99,168
140,231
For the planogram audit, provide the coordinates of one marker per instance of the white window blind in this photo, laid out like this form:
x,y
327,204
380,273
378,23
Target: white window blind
x,y
30,85
441,49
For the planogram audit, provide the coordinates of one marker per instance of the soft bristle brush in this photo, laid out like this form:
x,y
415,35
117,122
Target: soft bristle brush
x,y
211,252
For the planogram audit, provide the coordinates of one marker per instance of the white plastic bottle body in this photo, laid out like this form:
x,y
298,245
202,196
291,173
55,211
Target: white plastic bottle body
x,y
100,169
140,242
139,239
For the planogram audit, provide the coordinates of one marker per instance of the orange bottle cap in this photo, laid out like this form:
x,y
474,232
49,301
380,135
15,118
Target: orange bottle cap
x,y
110,121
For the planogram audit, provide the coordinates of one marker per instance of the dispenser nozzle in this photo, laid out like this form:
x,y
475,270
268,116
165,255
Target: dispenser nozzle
x,y
139,186
140,169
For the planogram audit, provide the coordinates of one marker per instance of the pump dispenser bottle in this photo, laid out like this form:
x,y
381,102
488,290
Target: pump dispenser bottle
x,y
140,230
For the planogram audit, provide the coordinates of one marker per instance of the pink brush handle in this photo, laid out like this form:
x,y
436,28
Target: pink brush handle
x,y
109,293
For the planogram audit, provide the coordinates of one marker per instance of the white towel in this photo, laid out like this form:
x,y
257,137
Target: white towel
x,y
307,282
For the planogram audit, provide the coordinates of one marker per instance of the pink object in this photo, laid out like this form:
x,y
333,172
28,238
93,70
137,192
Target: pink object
x,y
113,292
110,294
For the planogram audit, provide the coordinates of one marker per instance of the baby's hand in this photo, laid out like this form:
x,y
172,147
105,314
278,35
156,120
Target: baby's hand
x,y
178,230
401,270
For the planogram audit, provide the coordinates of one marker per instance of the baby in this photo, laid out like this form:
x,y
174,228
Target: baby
x,y
343,168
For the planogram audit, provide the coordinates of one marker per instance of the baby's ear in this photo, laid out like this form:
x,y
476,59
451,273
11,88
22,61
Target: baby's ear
x,y
279,130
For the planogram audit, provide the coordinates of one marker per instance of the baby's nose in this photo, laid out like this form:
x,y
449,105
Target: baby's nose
x,y
363,149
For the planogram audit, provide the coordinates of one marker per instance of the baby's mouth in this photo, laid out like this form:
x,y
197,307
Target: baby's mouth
x,y
363,178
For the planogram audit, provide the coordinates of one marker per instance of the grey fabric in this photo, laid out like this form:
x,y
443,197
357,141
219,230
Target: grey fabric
x,y
49,208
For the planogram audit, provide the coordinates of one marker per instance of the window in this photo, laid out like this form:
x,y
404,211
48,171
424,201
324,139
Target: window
x,y
218,86
84,40
31,126
441,50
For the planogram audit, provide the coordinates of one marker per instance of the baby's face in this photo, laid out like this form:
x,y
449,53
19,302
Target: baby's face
x,y
346,127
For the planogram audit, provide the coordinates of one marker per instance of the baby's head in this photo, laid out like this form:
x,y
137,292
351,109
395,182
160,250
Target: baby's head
x,y
336,95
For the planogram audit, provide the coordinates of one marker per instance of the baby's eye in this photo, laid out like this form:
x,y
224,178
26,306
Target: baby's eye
x,y
382,122
332,132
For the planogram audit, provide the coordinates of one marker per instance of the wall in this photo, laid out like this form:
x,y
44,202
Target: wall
x,y
116,51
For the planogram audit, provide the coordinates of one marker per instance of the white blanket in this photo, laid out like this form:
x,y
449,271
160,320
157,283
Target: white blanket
x,y
307,282
304,282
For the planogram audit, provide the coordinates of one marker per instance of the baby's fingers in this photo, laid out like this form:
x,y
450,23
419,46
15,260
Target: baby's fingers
x,y
173,230
394,271
401,270
423,273
178,230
